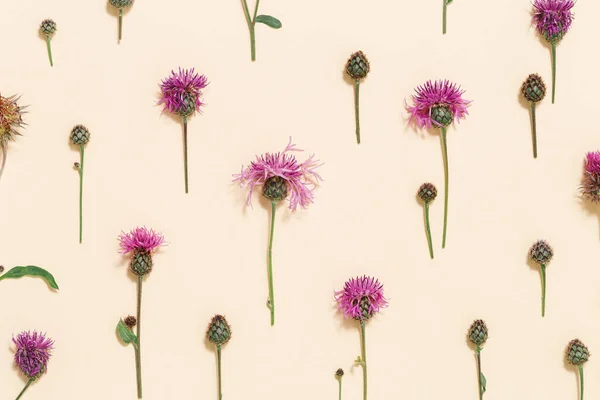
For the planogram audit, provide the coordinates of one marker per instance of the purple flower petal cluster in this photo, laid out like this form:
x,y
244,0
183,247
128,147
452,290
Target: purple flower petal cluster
x,y
140,239
437,93
33,353
357,289
300,177
590,186
181,92
553,18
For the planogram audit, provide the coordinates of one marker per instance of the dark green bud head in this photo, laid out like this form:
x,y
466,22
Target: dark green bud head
x,y
442,115
80,135
427,192
48,27
534,88
357,65
577,352
478,332
120,3
141,263
541,252
219,331
275,188
339,373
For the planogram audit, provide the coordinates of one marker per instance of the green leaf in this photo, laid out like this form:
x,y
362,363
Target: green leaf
x,y
449,1
30,270
126,334
483,382
269,21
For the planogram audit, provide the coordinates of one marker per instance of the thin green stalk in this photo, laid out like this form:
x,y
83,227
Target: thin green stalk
x,y
553,71
138,349
271,295
543,290
534,129
356,109
445,156
49,50
580,382
81,152
428,229
25,388
120,24
340,388
444,18
185,152
479,372
251,24
363,353
219,369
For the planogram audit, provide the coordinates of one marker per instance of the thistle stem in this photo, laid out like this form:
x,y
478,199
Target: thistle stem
x,y
120,24
363,352
49,50
219,369
185,152
81,152
428,229
444,17
534,129
445,157
580,382
25,388
251,23
479,372
270,266
543,267
4,153
356,109
138,349
553,71
340,388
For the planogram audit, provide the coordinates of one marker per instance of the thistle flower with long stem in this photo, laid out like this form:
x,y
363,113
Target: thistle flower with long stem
x,y
552,19
339,374
181,93
437,104
121,5
252,19
444,12
357,67
80,136
48,28
32,355
428,192
478,334
11,119
142,243
577,354
541,253
282,177
360,299
218,333
533,90
590,186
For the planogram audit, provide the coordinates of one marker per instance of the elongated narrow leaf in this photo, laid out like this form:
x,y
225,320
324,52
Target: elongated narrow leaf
x,y
30,270
483,383
126,334
269,21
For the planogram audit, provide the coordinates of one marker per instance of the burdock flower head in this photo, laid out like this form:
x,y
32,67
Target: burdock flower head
x,y
142,242
181,93
121,5
32,355
11,119
590,187
552,19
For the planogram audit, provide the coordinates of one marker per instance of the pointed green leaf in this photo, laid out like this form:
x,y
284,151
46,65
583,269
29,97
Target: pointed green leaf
x,y
449,1
126,334
483,382
30,270
269,21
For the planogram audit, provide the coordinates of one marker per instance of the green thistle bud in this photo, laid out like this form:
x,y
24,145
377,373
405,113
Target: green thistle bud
x,y
120,3
442,115
219,331
48,27
141,263
577,352
553,39
478,332
541,252
365,309
188,106
80,135
357,65
534,88
427,192
275,188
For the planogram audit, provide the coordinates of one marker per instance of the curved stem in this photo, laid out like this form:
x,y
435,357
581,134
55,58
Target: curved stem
x,y
479,372
356,109
219,369
444,17
120,24
49,50
81,152
25,388
138,349
185,152
363,354
553,71
270,266
580,382
534,130
445,157
543,290
428,229
340,389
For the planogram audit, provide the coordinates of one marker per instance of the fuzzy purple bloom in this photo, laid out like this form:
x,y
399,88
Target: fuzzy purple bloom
x,y
361,298
181,92
33,353
140,238
434,94
590,187
553,18
301,178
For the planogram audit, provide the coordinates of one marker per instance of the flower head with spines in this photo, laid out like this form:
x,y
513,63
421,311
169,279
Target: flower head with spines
x,y
361,298
181,92
553,18
33,353
437,104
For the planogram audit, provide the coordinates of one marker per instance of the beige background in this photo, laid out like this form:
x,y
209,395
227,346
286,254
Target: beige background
x,y
365,220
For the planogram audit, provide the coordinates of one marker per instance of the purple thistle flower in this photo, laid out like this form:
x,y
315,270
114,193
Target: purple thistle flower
x,y
434,94
140,239
361,298
590,186
300,178
181,92
33,353
553,18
